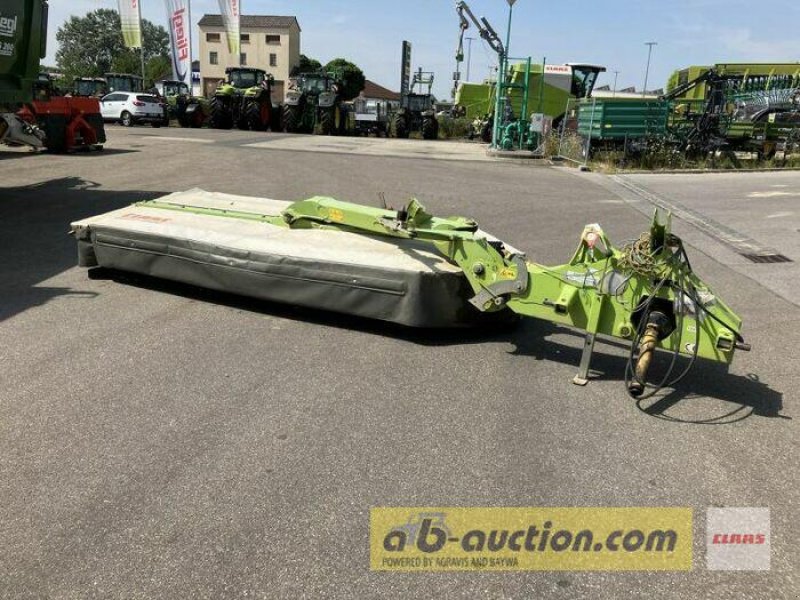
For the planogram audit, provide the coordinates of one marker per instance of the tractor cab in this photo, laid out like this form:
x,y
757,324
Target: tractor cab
x,y
418,102
243,78
168,88
88,87
316,83
584,77
124,82
43,87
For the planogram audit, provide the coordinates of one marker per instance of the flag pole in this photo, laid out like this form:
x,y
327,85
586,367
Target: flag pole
x,y
141,49
191,51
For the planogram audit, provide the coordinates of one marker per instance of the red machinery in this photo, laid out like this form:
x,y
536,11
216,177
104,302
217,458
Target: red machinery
x,y
68,123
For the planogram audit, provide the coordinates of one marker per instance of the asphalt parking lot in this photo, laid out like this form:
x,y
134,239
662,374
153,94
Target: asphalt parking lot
x,y
158,440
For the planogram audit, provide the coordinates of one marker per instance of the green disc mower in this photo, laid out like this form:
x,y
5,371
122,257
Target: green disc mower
x,y
243,99
410,267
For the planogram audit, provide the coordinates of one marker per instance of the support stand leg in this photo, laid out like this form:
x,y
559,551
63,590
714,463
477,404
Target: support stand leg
x,y
582,378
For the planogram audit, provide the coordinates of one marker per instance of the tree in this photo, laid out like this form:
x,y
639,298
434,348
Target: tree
x,y
307,65
352,77
91,46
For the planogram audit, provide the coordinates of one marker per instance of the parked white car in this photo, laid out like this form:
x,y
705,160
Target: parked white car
x,y
130,108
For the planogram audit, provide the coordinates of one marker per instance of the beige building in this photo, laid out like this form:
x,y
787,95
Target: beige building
x,y
268,42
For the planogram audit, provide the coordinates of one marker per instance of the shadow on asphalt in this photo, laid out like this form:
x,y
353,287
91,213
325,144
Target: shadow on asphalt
x,y
530,337
10,155
34,226
707,379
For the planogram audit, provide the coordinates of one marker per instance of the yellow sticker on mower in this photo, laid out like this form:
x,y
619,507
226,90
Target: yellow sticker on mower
x,y
334,214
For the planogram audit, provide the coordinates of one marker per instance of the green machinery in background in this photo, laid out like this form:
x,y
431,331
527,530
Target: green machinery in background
x,y
188,110
644,293
110,82
550,88
315,99
748,107
23,45
747,76
123,82
89,87
416,111
502,110
244,99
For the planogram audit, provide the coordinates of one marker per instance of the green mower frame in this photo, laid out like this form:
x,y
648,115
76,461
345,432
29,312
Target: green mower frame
x,y
645,293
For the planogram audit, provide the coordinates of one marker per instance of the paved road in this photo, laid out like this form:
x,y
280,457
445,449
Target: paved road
x,y
159,441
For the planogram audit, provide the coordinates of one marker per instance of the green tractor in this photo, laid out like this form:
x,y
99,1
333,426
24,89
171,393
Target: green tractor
x,y
181,105
243,99
123,82
416,112
89,87
315,99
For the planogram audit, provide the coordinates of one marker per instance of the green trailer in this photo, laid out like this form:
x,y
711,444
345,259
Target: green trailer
x,y
23,39
620,119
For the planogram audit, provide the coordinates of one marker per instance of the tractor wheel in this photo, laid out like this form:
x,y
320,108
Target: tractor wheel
x,y
486,132
291,119
198,118
220,115
430,128
126,119
400,126
55,128
243,122
327,121
276,119
259,115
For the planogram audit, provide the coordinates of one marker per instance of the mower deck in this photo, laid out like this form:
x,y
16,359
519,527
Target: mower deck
x,y
175,238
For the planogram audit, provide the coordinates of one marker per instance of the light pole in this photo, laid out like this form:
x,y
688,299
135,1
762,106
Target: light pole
x,y
500,91
469,53
647,70
616,74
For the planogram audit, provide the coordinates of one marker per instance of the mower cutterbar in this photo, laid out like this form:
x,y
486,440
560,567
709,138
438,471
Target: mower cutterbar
x,y
645,292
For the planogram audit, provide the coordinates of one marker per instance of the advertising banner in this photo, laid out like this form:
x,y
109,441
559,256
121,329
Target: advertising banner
x,y
231,19
130,12
179,18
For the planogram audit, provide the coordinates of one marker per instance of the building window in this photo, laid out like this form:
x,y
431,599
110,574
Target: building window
x,y
243,59
274,39
213,58
245,37
273,60
213,37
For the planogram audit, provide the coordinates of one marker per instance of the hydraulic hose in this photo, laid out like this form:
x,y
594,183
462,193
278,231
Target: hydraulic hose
x,y
647,348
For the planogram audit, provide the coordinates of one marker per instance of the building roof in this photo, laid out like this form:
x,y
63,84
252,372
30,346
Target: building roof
x,y
263,21
373,90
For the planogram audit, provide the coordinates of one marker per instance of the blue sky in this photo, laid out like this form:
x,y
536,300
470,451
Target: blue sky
x,y
608,32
